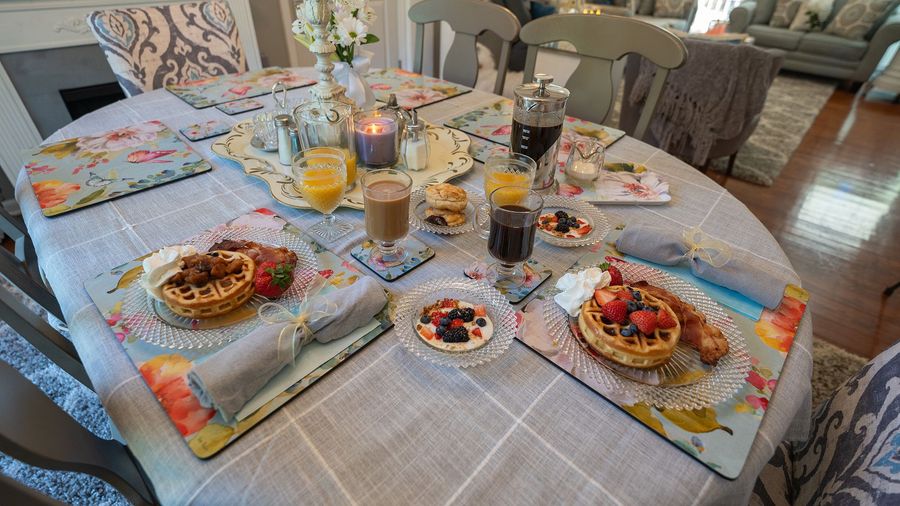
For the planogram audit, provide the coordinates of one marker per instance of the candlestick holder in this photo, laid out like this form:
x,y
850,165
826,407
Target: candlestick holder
x,y
318,14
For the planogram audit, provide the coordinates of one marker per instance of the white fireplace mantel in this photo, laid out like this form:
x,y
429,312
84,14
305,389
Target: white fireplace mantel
x,y
48,24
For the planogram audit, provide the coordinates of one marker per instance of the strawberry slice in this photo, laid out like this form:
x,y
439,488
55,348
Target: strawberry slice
x,y
645,320
664,320
427,333
624,295
476,332
602,296
480,310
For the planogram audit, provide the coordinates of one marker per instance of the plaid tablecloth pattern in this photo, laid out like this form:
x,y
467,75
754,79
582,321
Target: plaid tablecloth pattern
x,y
387,427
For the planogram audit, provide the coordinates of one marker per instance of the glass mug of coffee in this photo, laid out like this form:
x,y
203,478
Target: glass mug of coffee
x,y
386,197
509,222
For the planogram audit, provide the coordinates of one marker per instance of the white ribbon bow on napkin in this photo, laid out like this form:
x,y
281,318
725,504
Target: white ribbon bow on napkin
x,y
297,324
714,252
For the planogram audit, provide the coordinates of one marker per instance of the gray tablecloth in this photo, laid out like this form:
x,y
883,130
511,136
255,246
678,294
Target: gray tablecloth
x,y
387,427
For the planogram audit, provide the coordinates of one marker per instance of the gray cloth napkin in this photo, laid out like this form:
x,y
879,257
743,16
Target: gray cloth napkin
x,y
233,375
756,279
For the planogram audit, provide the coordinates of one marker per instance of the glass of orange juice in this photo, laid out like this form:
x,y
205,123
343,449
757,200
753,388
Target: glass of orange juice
x,y
509,171
328,124
321,179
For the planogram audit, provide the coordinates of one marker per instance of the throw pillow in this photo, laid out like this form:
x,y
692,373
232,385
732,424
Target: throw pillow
x,y
812,15
785,12
857,17
672,8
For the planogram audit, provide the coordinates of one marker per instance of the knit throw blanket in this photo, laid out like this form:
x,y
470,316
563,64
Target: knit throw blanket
x,y
720,87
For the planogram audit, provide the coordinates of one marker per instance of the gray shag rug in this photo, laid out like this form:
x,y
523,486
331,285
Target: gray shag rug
x,y
831,367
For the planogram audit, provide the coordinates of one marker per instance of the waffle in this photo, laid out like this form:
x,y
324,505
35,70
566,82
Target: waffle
x,y
638,350
215,298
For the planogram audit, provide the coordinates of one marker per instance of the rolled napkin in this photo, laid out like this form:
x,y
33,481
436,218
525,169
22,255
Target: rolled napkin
x,y
233,375
579,287
709,258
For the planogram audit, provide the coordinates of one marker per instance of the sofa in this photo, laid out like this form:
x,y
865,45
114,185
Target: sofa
x,y
817,53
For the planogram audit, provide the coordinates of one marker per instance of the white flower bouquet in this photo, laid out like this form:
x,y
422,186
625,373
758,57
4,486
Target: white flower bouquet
x,y
348,27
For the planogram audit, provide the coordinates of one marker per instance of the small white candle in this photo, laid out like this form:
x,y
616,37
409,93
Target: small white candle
x,y
583,170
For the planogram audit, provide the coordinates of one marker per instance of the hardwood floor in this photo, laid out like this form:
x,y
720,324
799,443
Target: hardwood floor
x,y
835,209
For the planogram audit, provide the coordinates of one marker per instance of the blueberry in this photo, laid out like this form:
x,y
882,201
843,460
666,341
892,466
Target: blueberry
x,y
636,295
441,330
631,306
481,322
626,332
425,319
573,222
562,215
633,328
562,227
445,321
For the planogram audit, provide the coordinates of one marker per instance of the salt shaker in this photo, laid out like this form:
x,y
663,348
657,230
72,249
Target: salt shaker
x,y
415,146
282,129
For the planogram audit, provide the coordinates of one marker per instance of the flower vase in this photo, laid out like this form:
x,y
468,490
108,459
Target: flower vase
x,y
351,78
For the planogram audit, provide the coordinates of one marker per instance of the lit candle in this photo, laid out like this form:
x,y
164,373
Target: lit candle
x,y
377,141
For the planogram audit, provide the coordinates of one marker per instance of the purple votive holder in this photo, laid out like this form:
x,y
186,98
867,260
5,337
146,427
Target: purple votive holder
x,y
377,139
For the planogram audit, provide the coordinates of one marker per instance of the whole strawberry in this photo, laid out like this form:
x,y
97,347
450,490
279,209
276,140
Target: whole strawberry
x,y
615,310
645,320
615,275
273,280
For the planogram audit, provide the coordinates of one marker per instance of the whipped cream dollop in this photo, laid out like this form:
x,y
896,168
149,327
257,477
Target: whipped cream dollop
x,y
579,287
161,266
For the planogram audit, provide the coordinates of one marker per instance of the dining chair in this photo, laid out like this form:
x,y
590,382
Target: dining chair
x,y
152,46
20,268
36,431
851,454
600,42
468,19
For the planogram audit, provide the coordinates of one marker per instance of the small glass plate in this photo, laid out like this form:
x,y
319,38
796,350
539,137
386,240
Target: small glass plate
x,y
417,207
580,209
498,308
690,385
153,322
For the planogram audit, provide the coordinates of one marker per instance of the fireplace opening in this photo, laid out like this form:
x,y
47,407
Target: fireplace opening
x,y
82,100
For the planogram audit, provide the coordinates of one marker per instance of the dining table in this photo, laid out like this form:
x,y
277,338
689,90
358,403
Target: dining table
x,y
387,426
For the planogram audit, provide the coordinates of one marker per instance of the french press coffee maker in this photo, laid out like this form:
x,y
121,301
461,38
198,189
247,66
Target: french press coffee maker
x,y
538,117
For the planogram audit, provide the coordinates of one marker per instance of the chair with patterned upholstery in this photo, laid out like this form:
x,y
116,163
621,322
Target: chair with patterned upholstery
x,y
852,455
150,47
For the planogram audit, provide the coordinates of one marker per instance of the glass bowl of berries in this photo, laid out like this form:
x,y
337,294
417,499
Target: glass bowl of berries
x,y
455,322
571,223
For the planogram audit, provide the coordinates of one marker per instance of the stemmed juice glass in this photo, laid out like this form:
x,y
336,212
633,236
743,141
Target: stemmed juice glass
x,y
328,124
320,176
511,170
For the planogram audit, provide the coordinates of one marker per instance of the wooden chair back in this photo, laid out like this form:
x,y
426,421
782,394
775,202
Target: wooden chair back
x,y
600,42
468,19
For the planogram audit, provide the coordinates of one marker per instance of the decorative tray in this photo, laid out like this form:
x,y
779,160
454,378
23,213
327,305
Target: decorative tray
x,y
449,158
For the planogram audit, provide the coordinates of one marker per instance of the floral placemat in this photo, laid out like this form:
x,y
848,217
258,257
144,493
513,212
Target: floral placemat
x,y
417,253
165,370
202,93
535,274
720,437
82,171
619,183
412,90
494,123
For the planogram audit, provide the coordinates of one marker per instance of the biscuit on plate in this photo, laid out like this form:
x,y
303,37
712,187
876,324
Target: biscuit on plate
x,y
446,196
451,218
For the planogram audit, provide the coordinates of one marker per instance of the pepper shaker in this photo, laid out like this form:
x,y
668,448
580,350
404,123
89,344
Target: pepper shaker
x,y
282,128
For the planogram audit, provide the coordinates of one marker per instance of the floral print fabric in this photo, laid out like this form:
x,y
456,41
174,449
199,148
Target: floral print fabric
x,y
149,47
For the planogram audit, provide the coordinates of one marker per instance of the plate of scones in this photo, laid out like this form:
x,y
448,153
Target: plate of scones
x,y
648,334
206,291
442,209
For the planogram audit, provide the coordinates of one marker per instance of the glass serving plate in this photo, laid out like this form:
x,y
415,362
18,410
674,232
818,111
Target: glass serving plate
x,y
684,383
155,323
417,207
498,309
580,209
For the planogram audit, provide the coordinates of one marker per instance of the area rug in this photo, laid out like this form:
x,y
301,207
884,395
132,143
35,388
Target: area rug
x,y
791,107
831,367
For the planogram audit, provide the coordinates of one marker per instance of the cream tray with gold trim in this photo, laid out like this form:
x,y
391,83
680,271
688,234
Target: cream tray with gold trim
x,y
449,158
